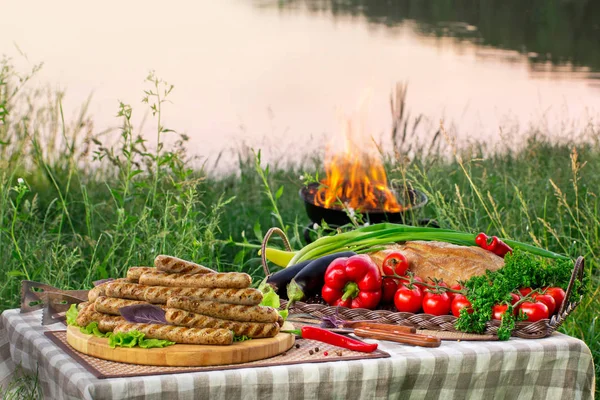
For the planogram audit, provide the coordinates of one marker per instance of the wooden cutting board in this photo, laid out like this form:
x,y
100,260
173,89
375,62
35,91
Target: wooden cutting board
x,y
183,355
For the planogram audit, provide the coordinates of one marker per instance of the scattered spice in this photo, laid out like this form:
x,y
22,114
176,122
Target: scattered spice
x,y
325,353
297,346
311,352
316,349
338,353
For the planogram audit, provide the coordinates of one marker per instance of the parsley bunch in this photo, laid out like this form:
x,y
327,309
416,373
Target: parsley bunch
x,y
521,269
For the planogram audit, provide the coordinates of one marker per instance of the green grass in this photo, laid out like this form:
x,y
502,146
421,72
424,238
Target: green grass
x,y
85,210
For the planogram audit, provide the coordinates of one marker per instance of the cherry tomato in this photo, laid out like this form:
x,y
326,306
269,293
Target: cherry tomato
x,y
547,300
389,286
515,298
395,263
558,294
525,291
498,310
436,303
418,279
452,295
408,300
535,311
460,301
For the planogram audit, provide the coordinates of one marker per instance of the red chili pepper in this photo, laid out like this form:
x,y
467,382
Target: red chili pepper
x,y
325,336
353,282
496,245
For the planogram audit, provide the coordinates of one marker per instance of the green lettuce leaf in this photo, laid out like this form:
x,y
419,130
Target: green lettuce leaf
x,y
71,314
241,338
271,299
284,313
135,338
92,329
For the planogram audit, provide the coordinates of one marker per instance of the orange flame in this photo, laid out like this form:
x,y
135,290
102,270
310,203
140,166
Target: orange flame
x,y
357,179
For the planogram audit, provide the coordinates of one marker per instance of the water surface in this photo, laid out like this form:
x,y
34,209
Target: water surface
x,y
279,74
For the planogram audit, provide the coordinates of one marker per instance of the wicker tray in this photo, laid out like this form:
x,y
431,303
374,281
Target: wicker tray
x,y
526,330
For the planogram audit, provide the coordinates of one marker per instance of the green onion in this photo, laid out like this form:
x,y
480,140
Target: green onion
x,y
367,237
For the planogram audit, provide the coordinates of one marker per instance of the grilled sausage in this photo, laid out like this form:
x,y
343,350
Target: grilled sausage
x,y
124,290
96,292
110,305
106,323
174,264
160,295
229,280
100,290
134,273
232,312
193,320
180,334
82,305
280,320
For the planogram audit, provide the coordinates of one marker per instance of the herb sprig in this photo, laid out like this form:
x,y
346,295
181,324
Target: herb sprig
x,y
521,269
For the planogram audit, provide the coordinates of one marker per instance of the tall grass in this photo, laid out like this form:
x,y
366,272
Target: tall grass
x,y
74,209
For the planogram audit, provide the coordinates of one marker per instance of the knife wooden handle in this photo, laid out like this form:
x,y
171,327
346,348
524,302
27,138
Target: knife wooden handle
x,y
400,337
383,327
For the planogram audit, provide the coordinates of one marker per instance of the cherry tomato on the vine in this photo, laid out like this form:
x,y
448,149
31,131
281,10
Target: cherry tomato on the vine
x,y
418,283
395,263
525,291
547,300
535,311
515,298
436,303
460,301
498,310
408,300
452,295
558,294
389,288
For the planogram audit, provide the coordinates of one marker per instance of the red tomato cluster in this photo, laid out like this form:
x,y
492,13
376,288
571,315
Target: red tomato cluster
x,y
418,297
542,305
430,301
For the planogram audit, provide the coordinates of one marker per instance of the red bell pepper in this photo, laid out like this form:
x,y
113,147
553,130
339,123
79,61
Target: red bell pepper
x,y
496,245
353,282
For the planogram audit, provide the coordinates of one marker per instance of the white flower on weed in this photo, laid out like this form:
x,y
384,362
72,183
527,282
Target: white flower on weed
x,y
351,212
301,177
366,224
21,181
315,226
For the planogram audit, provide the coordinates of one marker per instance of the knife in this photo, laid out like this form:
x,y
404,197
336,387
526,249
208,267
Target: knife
x,y
391,335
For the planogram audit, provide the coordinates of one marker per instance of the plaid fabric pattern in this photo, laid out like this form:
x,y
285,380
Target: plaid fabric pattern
x,y
557,367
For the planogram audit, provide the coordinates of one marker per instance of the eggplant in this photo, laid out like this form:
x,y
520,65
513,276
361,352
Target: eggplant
x,y
280,279
311,278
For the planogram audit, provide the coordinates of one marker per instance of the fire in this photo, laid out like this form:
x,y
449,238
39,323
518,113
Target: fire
x,y
355,177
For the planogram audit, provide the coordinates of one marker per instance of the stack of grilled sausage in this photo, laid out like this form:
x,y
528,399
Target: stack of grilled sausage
x,y
202,306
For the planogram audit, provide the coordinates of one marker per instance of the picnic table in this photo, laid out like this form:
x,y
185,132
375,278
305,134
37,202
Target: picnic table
x,y
557,367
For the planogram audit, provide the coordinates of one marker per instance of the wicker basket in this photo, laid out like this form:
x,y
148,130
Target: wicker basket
x,y
526,330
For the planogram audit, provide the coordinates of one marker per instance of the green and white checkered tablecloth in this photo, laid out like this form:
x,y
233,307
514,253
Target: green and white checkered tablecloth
x,y
557,367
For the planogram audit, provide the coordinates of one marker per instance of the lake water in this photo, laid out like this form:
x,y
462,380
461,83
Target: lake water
x,y
279,74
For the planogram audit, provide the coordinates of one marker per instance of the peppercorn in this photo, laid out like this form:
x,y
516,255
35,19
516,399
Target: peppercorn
x,y
311,352
316,349
325,353
297,346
